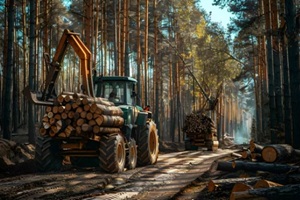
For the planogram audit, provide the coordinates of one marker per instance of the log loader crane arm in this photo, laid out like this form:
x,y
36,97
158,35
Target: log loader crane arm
x,y
54,68
211,101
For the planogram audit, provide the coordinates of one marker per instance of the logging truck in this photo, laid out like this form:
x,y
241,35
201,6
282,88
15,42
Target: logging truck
x,y
101,126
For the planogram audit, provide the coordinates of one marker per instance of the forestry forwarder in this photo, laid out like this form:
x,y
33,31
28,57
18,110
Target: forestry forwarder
x,y
124,136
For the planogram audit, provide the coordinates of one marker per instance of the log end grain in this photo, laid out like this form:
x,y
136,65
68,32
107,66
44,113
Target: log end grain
x,y
269,154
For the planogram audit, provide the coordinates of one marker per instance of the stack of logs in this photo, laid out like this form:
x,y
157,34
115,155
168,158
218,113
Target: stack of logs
x,y
201,131
276,174
74,114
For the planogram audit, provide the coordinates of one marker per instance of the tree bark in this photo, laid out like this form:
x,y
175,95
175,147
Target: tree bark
x,y
227,184
277,153
283,192
7,108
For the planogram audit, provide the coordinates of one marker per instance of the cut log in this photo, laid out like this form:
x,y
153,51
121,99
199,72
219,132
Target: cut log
x,y
60,98
261,166
108,110
46,125
71,114
68,107
86,107
246,154
255,148
97,100
99,120
43,131
92,122
89,116
55,109
50,114
69,130
96,129
48,109
68,98
266,184
80,121
225,166
57,116
93,108
64,115
284,192
277,153
83,114
45,118
256,157
61,109
79,110
62,134
86,127
75,105
238,187
227,184
111,121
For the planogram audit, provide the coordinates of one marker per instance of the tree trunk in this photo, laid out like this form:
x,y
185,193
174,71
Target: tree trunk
x,y
283,192
227,184
293,60
277,75
270,69
286,80
255,166
31,116
277,153
7,87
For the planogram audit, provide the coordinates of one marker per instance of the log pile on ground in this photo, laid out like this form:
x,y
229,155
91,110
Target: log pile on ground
x,y
268,172
13,154
201,131
76,114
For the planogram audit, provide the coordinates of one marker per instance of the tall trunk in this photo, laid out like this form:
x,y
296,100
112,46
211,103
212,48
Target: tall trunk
x,y
270,70
31,116
146,51
95,52
7,112
126,69
2,84
138,56
286,80
25,60
293,60
88,22
156,77
116,49
16,59
277,73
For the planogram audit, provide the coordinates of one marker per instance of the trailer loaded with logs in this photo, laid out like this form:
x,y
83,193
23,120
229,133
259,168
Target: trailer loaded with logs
x,y
200,131
100,126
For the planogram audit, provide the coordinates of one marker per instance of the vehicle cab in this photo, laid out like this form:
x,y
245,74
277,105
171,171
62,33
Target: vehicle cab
x,y
117,89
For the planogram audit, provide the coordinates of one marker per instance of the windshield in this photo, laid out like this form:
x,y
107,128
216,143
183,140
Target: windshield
x,y
114,91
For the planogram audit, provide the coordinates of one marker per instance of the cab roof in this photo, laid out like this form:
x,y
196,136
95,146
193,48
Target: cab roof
x,y
116,78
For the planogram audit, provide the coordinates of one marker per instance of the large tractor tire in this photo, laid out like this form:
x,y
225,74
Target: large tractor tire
x,y
87,161
148,145
131,158
47,154
112,154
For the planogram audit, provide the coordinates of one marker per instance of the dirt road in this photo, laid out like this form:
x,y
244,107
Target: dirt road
x,y
172,173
